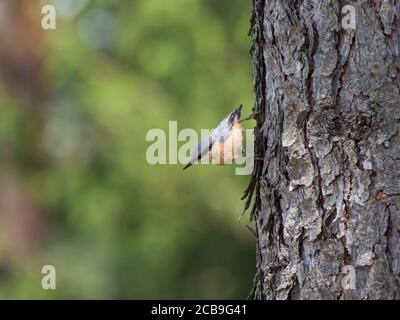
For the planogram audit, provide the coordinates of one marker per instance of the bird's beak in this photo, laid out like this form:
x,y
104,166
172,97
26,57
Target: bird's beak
x,y
238,111
235,114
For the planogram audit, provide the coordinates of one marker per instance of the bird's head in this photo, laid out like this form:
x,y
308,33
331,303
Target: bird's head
x,y
235,115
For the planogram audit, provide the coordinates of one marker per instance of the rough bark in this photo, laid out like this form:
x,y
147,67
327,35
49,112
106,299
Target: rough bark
x,y
328,191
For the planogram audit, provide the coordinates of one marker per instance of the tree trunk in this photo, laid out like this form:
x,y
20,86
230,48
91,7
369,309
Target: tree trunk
x,y
327,194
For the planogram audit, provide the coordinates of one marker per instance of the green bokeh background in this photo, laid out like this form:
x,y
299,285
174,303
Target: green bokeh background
x,y
113,225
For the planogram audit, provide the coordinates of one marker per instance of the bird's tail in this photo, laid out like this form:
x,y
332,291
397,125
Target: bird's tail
x,y
187,166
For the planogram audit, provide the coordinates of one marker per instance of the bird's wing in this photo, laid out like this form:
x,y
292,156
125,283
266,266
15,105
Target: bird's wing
x,y
202,148
222,132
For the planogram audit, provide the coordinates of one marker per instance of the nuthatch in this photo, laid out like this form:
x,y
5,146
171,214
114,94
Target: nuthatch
x,y
224,143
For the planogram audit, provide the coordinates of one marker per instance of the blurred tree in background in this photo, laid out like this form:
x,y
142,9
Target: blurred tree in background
x,y
76,190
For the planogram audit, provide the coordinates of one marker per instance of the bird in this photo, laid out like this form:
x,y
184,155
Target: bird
x,y
224,144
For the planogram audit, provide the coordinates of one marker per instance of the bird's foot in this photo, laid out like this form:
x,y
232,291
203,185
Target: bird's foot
x,y
256,157
252,116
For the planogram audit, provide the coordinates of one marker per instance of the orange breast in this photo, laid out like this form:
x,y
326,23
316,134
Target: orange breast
x,y
225,153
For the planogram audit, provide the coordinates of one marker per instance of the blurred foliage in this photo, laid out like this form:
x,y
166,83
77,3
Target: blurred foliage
x,y
116,226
